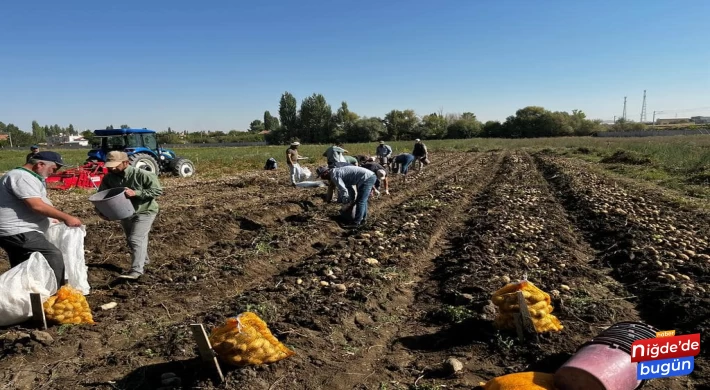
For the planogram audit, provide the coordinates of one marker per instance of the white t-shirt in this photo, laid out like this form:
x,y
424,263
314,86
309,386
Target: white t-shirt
x,y
15,216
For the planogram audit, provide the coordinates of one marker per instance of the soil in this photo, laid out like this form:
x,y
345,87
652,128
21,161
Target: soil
x,y
444,242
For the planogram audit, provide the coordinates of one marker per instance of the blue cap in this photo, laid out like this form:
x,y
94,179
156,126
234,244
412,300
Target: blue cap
x,y
34,147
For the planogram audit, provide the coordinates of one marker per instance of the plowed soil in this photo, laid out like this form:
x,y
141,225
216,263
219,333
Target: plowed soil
x,y
468,223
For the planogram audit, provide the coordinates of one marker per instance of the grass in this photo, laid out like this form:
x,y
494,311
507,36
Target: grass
x,y
678,162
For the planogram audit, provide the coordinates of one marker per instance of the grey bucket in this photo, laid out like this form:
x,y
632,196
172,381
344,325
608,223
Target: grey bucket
x,y
113,204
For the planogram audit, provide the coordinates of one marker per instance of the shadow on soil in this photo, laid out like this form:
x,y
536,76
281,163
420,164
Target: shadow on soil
x,y
466,332
184,374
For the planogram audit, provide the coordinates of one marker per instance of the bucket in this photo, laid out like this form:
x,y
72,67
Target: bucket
x,y
113,204
604,363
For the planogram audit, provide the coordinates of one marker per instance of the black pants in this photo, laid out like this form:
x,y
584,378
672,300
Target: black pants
x,y
19,248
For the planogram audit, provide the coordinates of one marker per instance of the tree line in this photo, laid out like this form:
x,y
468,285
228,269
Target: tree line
x,y
316,122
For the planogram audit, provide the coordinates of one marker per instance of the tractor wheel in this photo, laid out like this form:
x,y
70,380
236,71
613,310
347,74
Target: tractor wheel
x,y
183,167
145,162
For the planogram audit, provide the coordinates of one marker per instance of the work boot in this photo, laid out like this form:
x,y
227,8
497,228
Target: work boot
x,y
131,275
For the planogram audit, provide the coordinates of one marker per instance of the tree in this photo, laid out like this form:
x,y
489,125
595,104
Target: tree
x,y
288,113
401,124
315,120
433,126
38,132
256,126
125,127
492,129
466,127
109,127
270,122
71,131
365,130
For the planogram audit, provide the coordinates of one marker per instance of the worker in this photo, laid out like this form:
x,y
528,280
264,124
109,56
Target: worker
x,y
34,149
25,213
383,153
420,153
335,154
142,188
381,174
271,164
292,159
361,159
346,179
401,164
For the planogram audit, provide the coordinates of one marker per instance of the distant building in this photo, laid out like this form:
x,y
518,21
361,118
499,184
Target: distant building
x,y
672,121
4,137
264,132
700,119
68,140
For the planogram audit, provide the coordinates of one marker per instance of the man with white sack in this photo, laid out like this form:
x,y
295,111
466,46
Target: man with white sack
x,y
292,160
25,212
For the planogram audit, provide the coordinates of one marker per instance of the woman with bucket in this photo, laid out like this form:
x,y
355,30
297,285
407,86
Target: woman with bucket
x,y
140,188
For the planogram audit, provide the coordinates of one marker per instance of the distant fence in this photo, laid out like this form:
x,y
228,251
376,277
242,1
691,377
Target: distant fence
x,y
652,133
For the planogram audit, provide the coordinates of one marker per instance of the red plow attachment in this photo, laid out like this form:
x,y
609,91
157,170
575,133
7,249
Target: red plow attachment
x,y
88,176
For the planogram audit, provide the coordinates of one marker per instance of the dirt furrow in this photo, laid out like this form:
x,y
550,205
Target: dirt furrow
x,y
657,249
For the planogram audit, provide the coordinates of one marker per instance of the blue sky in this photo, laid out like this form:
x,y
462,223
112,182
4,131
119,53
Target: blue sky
x,y
219,64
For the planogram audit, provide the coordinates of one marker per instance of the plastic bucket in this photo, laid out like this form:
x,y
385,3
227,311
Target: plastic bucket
x,y
113,204
604,363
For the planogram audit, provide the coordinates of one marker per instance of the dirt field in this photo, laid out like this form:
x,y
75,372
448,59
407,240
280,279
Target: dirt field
x,y
606,250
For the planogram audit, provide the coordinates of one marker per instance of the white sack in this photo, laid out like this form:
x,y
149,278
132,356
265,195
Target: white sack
x,y
70,240
31,276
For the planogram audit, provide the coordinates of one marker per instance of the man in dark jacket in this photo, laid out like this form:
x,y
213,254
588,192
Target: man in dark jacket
x,y
34,149
420,153
381,174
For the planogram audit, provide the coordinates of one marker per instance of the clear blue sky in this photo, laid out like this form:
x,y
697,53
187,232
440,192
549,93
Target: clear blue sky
x,y
219,64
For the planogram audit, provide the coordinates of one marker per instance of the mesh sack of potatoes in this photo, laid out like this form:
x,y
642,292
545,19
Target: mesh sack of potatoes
x,y
68,306
521,381
246,340
538,302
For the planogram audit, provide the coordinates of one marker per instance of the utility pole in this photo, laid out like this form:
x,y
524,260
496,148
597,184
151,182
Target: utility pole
x,y
624,114
643,108
9,136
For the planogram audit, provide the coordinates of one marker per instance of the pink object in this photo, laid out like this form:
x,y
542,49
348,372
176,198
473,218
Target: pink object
x,y
597,367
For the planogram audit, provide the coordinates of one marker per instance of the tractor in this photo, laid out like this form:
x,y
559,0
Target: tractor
x,y
143,151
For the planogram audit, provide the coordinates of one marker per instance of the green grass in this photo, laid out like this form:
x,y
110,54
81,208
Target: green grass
x,y
678,162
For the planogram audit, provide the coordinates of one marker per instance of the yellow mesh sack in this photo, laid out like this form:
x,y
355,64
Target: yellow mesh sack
x,y
246,340
538,302
521,381
68,306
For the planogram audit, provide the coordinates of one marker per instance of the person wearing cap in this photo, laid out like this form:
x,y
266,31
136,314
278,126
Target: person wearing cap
x,y
142,188
335,155
381,174
383,153
347,180
292,160
420,153
25,212
34,149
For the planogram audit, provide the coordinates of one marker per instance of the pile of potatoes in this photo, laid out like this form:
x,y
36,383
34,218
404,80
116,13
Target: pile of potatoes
x,y
246,340
522,380
68,306
538,302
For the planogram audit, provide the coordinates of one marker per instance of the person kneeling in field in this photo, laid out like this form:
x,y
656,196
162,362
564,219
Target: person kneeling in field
x,y
142,188
345,178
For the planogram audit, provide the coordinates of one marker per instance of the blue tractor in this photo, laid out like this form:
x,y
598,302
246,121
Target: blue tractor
x,y
143,151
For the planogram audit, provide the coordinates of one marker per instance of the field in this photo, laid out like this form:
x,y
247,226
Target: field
x,y
614,229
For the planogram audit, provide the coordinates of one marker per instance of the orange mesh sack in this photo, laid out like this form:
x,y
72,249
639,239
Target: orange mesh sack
x,y
538,303
68,306
521,381
246,340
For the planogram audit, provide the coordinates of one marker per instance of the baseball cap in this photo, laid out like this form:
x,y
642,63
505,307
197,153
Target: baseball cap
x,y
321,170
382,142
295,143
115,158
417,140
51,157
34,147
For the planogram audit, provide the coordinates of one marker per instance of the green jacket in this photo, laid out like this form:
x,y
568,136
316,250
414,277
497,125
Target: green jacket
x,y
145,184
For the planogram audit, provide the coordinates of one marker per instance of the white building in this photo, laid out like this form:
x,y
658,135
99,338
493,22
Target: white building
x,y
68,140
